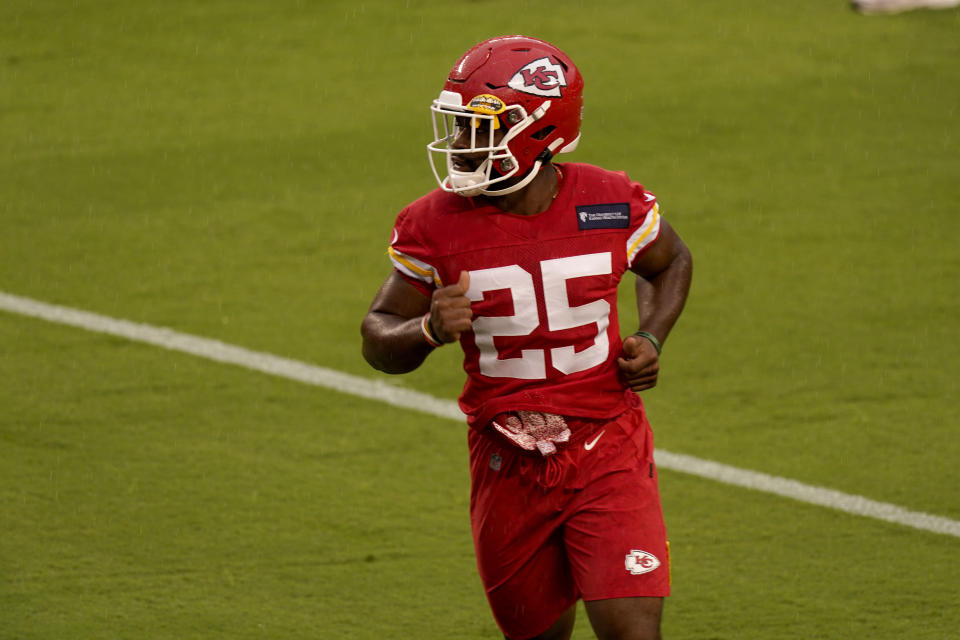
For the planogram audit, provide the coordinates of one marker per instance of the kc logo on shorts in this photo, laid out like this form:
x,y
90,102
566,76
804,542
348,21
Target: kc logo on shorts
x,y
638,562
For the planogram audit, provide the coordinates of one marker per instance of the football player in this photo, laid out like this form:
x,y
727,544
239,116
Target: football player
x,y
518,259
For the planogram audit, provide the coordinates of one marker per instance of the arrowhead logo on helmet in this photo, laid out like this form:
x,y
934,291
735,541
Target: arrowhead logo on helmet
x,y
540,78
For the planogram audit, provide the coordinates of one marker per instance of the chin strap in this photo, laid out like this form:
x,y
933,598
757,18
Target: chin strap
x,y
545,156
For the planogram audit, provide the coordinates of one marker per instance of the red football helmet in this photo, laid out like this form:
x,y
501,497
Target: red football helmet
x,y
524,86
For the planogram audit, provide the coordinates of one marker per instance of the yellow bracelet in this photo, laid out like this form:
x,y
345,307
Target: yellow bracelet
x,y
428,333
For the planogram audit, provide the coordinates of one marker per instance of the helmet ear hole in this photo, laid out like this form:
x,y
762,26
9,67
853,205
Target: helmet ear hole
x,y
543,133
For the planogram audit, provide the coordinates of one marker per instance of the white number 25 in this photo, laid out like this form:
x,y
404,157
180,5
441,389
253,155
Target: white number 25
x,y
531,365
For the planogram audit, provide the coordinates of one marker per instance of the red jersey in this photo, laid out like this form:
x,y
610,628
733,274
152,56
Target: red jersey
x,y
543,289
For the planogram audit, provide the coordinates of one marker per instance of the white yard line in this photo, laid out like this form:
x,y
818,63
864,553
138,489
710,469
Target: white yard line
x,y
416,401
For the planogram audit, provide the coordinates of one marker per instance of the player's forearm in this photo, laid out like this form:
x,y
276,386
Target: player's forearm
x,y
661,298
393,344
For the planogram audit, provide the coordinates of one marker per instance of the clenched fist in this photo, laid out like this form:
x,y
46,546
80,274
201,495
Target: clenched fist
x,y
640,363
450,313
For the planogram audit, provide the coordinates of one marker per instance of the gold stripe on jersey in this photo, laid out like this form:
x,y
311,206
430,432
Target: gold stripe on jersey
x,y
414,268
645,234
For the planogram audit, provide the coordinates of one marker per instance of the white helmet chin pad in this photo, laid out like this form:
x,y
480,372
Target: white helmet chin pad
x,y
464,183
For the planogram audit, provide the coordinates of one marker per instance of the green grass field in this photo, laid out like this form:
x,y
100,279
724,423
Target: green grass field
x,y
232,170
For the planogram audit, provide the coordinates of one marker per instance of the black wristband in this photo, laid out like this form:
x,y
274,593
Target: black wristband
x,y
652,338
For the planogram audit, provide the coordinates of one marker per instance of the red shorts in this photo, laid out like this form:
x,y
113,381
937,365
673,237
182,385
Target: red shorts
x,y
583,523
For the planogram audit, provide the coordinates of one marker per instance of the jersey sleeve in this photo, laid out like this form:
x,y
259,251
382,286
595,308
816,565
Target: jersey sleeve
x,y
645,228
409,257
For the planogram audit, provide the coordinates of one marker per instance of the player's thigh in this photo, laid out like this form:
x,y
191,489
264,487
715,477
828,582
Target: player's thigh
x,y
562,629
626,618
616,538
533,599
518,537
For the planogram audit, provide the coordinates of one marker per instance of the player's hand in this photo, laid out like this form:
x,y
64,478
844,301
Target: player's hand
x,y
640,363
450,313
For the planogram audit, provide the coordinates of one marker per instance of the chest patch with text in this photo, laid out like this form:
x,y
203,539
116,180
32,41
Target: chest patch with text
x,y
615,215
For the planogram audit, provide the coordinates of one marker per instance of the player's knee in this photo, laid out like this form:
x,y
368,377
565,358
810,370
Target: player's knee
x,y
626,618
561,629
628,632
624,632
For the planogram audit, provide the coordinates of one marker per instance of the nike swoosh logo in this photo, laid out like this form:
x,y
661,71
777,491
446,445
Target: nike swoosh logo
x,y
592,443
